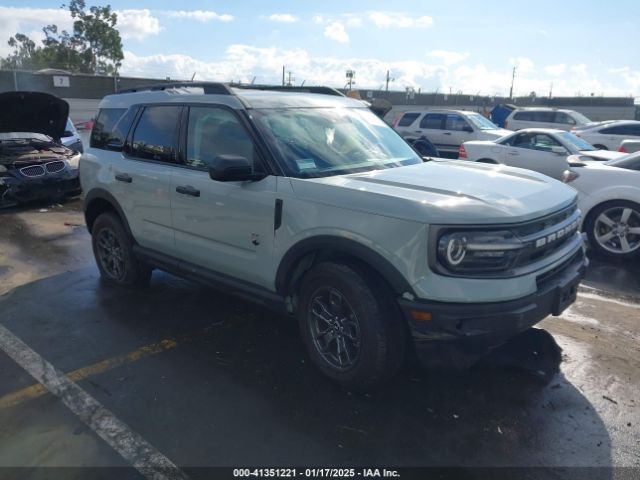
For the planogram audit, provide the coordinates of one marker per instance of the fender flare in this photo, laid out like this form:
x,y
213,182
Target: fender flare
x,y
343,246
102,194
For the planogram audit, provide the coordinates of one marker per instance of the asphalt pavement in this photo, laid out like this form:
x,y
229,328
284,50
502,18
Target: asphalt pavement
x,y
199,378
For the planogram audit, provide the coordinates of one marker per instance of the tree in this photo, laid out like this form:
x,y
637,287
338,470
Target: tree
x,y
94,46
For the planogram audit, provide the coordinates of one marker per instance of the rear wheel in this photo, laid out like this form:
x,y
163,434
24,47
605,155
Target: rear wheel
x,y
112,249
351,326
487,160
613,229
600,147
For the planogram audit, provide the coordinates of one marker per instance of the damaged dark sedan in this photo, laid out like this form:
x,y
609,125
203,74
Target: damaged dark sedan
x,y
33,163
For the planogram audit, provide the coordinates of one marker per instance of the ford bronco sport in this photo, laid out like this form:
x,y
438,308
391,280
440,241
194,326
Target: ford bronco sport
x,y
308,202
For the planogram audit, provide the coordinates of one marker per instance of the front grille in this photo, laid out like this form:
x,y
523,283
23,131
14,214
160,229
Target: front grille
x,y
33,171
55,167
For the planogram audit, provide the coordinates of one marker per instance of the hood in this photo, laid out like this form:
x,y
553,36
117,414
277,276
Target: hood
x,y
603,154
36,112
447,192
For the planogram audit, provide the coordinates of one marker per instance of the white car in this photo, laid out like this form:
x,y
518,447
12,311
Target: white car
x,y
540,149
629,146
609,198
610,135
447,129
544,117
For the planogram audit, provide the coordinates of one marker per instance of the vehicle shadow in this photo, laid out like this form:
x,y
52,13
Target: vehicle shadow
x,y
239,389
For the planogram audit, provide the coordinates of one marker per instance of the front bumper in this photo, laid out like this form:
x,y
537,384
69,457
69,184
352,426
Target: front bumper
x,y
475,328
15,189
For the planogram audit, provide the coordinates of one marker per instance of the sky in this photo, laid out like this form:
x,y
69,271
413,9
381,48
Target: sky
x,y
560,47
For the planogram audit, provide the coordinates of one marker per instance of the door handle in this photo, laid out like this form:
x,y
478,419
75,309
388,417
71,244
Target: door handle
x,y
515,154
417,131
123,177
446,133
188,190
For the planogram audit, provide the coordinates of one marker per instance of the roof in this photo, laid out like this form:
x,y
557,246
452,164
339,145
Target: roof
x,y
236,97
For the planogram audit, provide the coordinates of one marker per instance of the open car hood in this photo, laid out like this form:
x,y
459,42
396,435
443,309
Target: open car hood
x,y
36,112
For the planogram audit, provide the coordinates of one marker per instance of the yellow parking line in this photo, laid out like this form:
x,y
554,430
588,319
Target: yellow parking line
x,y
37,390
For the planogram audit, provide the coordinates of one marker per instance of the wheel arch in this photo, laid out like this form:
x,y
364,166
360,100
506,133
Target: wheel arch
x,y
586,216
99,201
304,254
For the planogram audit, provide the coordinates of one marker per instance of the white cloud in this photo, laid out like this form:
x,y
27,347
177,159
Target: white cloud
x,y
137,24
447,57
243,62
336,31
524,65
283,18
556,70
399,20
198,15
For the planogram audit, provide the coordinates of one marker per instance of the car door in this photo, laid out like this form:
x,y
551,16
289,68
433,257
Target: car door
x,y
431,126
142,178
457,131
222,226
534,151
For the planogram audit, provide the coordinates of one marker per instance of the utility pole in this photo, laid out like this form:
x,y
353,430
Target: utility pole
x,y
290,79
283,75
388,79
551,91
513,76
350,78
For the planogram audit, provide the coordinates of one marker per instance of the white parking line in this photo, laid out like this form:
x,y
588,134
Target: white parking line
x,y
131,446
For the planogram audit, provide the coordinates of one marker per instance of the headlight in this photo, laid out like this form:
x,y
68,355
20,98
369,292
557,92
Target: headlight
x,y
74,161
478,251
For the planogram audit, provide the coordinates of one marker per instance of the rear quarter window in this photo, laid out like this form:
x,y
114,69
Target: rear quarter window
x,y
103,126
525,116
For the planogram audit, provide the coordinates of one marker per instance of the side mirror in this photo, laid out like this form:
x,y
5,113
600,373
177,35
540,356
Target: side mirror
x,y
233,168
559,150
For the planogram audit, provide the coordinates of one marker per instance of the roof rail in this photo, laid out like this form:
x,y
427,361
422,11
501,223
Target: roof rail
x,y
208,87
292,88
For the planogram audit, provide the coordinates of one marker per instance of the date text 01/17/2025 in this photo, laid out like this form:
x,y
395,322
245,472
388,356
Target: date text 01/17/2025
x,y
315,473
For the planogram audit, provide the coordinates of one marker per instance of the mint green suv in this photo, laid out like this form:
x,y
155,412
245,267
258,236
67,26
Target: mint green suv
x,y
306,202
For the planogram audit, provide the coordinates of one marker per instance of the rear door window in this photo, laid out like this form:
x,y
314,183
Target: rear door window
x,y
407,119
525,116
433,121
544,117
633,130
155,135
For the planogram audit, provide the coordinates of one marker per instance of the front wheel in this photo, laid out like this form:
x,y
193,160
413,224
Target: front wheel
x,y
351,326
113,251
613,229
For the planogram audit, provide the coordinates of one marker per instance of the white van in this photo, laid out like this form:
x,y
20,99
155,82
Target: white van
x,y
541,117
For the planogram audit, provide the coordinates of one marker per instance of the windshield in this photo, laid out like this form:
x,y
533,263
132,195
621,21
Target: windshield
x,y
577,142
580,118
481,122
319,142
628,161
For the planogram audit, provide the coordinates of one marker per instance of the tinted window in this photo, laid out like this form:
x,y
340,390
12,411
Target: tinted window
x,y
407,119
155,135
212,132
546,117
102,127
433,121
562,117
534,141
526,116
455,122
633,130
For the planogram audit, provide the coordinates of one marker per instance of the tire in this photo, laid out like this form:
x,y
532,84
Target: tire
x,y
487,160
114,255
371,332
600,147
613,229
